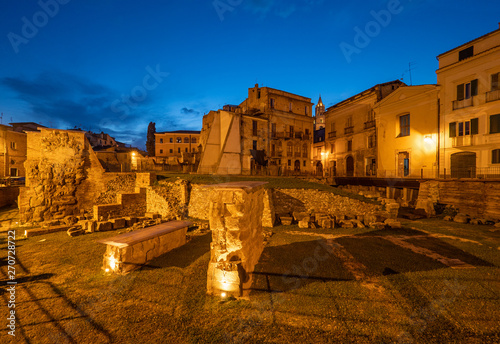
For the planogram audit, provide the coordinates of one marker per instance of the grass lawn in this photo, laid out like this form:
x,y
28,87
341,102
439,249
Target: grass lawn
x,y
272,182
310,286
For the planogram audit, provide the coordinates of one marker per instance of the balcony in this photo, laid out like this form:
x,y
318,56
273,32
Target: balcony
x,y
297,154
298,135
370,124
332,134
460,104
463,141
348,130
492,96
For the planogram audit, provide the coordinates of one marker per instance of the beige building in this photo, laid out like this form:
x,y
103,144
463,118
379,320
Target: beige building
x,y
407,126
174,143
270,132
351,141
12,152
470,108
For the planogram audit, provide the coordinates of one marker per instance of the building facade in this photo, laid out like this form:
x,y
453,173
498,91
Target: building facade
x,y
13,148
407,126
470,108
174,143
270,131
351,137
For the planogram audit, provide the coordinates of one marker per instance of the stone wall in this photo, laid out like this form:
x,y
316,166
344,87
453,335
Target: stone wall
x,y
8,195
133,204
287,201
475,198
169,199
199,204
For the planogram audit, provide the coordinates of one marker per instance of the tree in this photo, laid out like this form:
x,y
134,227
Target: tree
x,y
150,142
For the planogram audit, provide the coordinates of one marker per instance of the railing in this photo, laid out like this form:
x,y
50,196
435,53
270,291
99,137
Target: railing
x,y
463,141
348,130
370,124
492,96
455,173
332,134
460,104
298,135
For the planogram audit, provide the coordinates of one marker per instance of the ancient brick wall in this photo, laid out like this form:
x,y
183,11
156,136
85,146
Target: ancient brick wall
x,y
309,200
199,204
475,198
169,199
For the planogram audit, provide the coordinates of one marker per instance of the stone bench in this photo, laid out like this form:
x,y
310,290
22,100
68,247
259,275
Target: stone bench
x,y
129,251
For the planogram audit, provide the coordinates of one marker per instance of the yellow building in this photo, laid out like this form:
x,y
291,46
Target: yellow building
x,y
13,148
407,126
270,132
470,108
174,143
351,135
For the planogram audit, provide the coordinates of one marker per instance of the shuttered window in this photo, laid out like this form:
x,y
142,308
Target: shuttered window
x,y
495,124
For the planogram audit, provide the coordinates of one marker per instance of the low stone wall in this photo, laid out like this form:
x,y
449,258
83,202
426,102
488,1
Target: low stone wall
x,y
475,198
127,205
287,201
8,195
169,199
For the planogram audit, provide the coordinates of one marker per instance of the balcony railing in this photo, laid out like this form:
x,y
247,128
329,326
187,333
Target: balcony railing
x,y
298,135
370,124
348,130
463,141
492,96
332,134
460,104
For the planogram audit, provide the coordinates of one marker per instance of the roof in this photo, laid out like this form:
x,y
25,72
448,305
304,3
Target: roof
x,y
371,89
469,42
180,132
425,88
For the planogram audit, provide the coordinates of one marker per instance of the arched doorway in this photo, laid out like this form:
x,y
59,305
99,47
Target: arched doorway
x,y
349,166
463,165
297,166
319,168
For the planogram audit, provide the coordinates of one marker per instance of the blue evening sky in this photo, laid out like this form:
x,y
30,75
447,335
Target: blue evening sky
x,y
116,65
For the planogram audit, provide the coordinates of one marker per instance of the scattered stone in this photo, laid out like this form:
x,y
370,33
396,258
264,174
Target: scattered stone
x,y
346,224
377,225
104,226
358,223
304,222
299,216
448,218
461,218
75,231
497,225
286,220
119,223
153,216
392,223
476,222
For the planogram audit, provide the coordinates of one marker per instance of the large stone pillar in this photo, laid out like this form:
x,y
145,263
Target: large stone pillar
x,y
237,240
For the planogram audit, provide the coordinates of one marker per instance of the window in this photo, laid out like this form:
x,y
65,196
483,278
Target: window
x,y
466,53
289,149
289,162
179,150
187,150
307,132
186,140
161,140
271,100
494,82
495,124
467,90
254,128
372,141
332,148
193,140
179,140
13,172
349,146
171,140
348,122
495,156
318,152
258,94
305,111
304,163
273,129
290,106
404,125
171,151
304,150
13,145
161,151
254,145
464,128
291,131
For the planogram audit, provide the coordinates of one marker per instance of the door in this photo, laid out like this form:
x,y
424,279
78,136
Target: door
x,y
297,166
319,169
349,166
463,165
403,164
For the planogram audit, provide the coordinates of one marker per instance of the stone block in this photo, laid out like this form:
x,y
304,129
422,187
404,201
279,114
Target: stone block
x,y
286,220
304,222
75,231
392,223
153,216
461,218
298,216
130,220
497,225
377,225
104,226
91,226
346,224
327,224
358,223
119,223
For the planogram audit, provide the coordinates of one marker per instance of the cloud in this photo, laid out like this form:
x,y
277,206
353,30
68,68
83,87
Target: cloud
x,y
186,111
64,101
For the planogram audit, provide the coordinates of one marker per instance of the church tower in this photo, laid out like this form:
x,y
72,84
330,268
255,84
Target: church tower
x,y
319,115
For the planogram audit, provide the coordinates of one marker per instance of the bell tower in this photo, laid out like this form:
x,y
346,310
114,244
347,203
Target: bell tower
x,y
319,115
